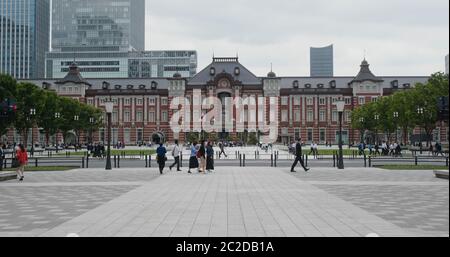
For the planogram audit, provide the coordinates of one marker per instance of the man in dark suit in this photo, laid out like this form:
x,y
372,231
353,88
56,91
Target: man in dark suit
x,y
299,156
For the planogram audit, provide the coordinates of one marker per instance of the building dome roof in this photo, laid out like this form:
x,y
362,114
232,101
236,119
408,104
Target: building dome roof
x,y
177,75
271,74
365,74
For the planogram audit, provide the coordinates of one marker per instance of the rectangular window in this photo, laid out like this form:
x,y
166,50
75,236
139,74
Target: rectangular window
x,y
139,116
309,101
115,117
362,100
284,100
127,116
127,101
310,135
296,100
101,135
348,100
139,101
127,136
297,116
152,101
321,101
151,117
310,116
139,135
348,116
90,101
322,135
334,116
164,101
374,98
261,116
322,116
297,133
164,116
284,115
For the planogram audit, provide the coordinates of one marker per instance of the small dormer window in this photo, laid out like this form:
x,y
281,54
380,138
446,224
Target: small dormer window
x,y
394,84
141,87
212,71
45,85
154,85
319,85
129,87
105,85
118,87
295,84
407,85
237,71
333,84
307,85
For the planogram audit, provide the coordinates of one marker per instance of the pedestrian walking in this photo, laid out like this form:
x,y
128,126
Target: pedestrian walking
x,y
193,161
176,155
209,157
201,155
2,155
22,157
222,150
299,156
161,157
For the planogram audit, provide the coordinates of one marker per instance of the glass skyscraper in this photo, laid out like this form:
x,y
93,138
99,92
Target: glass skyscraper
x,y
322,64
98,25
24,37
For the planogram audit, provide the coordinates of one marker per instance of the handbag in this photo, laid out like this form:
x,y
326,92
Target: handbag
x,y
15,163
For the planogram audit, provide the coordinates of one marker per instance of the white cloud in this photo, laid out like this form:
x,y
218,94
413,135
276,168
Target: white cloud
x,y
402,37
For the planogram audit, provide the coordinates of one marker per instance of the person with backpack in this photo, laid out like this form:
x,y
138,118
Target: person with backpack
x,y
209,157
193,161
161,157
176,155
22,157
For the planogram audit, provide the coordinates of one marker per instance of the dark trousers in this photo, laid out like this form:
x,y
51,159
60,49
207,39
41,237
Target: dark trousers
x,y
177,162
297,160
162,165
222,152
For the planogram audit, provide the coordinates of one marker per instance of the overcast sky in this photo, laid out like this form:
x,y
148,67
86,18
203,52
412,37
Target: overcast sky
x,y
401,37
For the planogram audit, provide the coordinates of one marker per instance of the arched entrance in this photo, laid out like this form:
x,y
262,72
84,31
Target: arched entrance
x,y
71,138
158,138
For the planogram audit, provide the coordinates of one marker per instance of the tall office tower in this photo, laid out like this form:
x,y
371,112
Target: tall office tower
x,y
322,64
24,37
98,25
446,64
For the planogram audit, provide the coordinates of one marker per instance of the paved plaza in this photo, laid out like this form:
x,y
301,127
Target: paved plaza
x,y
251,201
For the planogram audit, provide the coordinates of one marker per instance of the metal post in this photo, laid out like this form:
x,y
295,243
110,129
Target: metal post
x,y
334,160
181,160
341,152
370,161
416,159
446,162
82,162
115,161
243,161
146,161
87,161
271,160
118,162
108,155
365,160
240,160
275,163
149,161
36,162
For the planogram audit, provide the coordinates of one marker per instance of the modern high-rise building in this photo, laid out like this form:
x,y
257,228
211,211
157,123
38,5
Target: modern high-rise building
x,y
322,63
98,25
24,37
446,64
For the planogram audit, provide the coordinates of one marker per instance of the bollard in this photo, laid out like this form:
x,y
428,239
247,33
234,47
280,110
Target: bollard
x,y
255,155
82,162
118,162
115,161
181,160
307,157
370,161
271,160
149,161
87,162
243,161
365,160
36,162
334,160
275,161
416,159
146,161
446,162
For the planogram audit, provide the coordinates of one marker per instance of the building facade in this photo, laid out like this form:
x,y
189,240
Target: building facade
x,y
143,112
147,64
24,37
99,25
322,61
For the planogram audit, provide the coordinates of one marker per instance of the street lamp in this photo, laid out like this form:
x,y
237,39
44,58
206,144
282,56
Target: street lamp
x,y
32,113
109,107
57,116
420,111
377,118
396,115
92,121
340,105
76,118
362,129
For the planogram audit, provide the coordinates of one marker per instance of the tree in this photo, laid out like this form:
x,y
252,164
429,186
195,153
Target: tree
x,y
7,91
71,108
29,97
47,120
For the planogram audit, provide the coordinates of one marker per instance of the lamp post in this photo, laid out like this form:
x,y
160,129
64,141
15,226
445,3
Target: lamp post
x,y
76,118
377,118
32,113
420,111
362,130
396,115
91,121
57,116
340,105
109,106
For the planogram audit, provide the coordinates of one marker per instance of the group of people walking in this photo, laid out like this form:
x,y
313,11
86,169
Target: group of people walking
x,y
201,157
